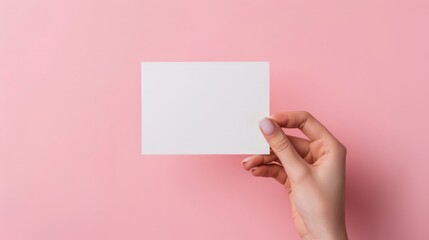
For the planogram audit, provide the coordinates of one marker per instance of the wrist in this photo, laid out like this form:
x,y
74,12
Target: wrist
x,y
337,234
340,234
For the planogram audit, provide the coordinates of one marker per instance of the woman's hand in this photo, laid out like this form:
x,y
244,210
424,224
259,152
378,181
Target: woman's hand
x,y
312,171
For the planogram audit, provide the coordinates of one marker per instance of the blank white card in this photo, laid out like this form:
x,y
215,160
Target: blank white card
x,y
204,107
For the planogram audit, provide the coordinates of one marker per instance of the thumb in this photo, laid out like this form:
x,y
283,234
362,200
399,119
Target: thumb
x,y
294,165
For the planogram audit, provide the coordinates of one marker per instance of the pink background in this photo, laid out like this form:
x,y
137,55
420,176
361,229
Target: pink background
x,y
70,163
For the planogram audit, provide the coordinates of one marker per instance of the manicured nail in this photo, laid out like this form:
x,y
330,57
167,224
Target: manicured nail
x,y
253,169
267,126
246,160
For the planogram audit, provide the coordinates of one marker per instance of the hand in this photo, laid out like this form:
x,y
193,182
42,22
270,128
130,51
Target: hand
x,y
312,171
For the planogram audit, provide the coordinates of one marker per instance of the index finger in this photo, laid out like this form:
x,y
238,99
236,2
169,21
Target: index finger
x,y
304,121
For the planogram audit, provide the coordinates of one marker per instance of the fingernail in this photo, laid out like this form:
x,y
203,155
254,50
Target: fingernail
x,y
246,160
253,169
267,126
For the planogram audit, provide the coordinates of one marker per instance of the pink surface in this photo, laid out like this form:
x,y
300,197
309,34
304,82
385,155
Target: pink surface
x,y
70,163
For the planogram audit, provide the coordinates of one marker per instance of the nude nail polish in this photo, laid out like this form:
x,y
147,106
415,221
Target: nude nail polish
x,y
267,126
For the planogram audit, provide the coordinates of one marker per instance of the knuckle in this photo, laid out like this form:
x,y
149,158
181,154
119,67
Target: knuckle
x,y
280,144
344,149
306,113
341,148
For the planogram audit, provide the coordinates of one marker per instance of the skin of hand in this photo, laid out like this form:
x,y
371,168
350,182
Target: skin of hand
x,y
312,171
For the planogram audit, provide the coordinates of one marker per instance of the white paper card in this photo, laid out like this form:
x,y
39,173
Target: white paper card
x,y
204,107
